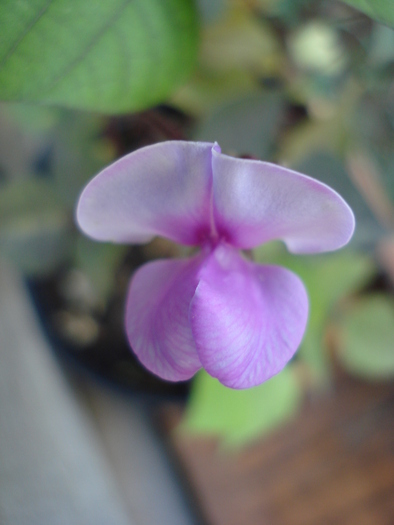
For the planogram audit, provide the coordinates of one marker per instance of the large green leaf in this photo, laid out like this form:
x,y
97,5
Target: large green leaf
x,y
109,55
381,10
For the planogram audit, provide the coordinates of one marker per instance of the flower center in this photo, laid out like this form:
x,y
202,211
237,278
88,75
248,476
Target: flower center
x,y
209,240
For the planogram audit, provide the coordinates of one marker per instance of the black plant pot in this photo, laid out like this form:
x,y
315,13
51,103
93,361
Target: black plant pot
x,y
108,358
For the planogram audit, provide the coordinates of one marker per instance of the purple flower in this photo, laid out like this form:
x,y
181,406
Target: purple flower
x,y
239,320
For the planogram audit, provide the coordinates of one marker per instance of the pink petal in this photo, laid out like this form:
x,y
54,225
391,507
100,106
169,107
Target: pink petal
x,y
256,202
248,320
157,317
162,189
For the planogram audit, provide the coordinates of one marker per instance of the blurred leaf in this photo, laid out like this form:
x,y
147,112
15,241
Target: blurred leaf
x,y
239,416
210,10
388,176
309,137
34,228
99,262
240,40
245,126
380,10
382,45
36,249
329,169
33,119
109,56
265,6
208,89
328,127
365,174
237,50
291,11
78,152
29,197
328,278
370,125
368,337
21,141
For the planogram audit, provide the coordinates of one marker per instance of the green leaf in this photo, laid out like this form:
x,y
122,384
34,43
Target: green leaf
x,y
380,10
109,56
239,416
367,338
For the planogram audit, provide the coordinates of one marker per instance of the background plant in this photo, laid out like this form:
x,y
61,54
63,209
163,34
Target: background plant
x,y
305,83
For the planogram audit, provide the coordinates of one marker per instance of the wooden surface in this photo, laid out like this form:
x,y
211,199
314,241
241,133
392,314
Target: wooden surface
x,y
334,464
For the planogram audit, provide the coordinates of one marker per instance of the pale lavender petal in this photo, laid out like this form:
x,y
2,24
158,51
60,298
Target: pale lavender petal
x,y
247,319
164,189
157,317
256,202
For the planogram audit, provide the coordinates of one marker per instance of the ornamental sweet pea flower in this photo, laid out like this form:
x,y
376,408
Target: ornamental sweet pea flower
x,y
218,310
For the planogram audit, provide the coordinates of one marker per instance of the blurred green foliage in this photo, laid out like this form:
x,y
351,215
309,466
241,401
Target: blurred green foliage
x,y
381,10
249,124
238,416
367,335
305,83
34,227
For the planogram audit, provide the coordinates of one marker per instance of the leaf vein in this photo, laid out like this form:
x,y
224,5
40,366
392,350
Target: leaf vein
x,y
96,38
24,33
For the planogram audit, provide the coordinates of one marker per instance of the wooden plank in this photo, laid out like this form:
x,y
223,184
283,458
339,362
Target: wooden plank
x,y
333,465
